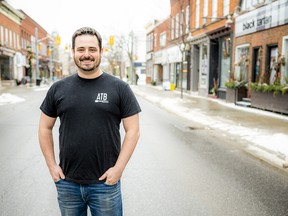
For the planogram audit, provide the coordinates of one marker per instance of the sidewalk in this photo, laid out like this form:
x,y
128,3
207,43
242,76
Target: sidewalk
x,y
265,133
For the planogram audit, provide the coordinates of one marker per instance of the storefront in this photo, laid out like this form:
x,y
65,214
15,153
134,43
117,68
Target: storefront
x,y
175,60
7,66
261,44
220,58
160,68
149,67
200,53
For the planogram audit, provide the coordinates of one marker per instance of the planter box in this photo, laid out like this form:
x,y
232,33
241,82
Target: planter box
x,y
235,94
268,101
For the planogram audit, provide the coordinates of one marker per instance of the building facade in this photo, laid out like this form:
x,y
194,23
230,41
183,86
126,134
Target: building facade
x,y
261,42
20,39
28,48
198,34
10,49
211,45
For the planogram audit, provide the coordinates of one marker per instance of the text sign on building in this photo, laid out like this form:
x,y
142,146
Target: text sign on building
x,y
266,17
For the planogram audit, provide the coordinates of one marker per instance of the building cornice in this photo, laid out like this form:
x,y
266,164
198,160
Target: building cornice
x,y
11,13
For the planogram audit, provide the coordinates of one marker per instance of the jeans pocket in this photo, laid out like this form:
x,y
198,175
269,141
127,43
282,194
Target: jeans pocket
x,y
110,185
58,181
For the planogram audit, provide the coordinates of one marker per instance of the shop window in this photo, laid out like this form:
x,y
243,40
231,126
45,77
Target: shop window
x,y
5,69
204,66
284,69
178,78
256,65
225,60
172,74
242,63
272,70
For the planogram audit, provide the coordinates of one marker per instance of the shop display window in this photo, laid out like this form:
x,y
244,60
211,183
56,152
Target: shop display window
x,y
225,60
242,63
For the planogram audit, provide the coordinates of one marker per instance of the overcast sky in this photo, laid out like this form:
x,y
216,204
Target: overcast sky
x,y
109,17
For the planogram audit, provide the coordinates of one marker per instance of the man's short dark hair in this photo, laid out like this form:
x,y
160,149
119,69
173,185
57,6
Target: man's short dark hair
x,y
87,31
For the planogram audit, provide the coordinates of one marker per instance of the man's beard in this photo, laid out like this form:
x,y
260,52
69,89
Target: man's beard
x,y
95,64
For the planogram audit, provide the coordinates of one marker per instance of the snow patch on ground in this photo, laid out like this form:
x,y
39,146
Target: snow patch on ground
x,y
7,98
276,143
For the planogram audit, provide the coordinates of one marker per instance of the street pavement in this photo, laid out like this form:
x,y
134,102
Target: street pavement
x,y
173,171
264,134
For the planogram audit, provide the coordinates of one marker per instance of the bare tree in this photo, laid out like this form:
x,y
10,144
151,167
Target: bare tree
x,y
116,56
131,44
121,51
179,27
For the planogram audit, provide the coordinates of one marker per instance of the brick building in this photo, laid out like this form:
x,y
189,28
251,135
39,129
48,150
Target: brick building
x,y
261,41
28,42
10,49
18,48
211,42
211,45
199,34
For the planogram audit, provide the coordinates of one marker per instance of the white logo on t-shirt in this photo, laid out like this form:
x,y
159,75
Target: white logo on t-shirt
x,y
102,98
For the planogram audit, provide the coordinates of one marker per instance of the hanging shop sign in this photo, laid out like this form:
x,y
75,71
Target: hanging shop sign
x,y
160,57
174,54
266,17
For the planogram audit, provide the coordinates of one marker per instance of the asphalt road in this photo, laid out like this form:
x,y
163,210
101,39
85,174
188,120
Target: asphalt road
x,y
179,168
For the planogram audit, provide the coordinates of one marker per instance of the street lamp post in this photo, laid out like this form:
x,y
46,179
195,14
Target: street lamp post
x,y
50,61
37,57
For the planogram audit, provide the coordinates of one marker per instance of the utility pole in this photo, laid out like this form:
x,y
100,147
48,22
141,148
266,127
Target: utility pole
x,y
37,58
50,60
56,40
132,58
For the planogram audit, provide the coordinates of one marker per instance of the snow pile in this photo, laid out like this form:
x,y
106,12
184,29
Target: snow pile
x,y
270,141
7,98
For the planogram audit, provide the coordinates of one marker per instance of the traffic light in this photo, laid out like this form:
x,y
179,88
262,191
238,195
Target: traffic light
x,y
111,40
48,51
58,40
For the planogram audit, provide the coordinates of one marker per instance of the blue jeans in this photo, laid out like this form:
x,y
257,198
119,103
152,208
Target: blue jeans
x,y
102,199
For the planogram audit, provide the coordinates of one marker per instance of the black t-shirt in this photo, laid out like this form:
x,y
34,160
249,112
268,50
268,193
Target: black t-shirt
x,y
90,112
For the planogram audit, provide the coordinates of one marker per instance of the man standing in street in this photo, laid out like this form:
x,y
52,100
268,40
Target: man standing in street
x,y
91,105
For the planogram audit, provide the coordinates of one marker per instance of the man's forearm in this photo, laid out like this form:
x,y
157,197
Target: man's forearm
x,y
47,146
128,147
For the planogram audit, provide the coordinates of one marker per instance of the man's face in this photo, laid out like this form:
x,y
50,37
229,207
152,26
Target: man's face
x,y
87,54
